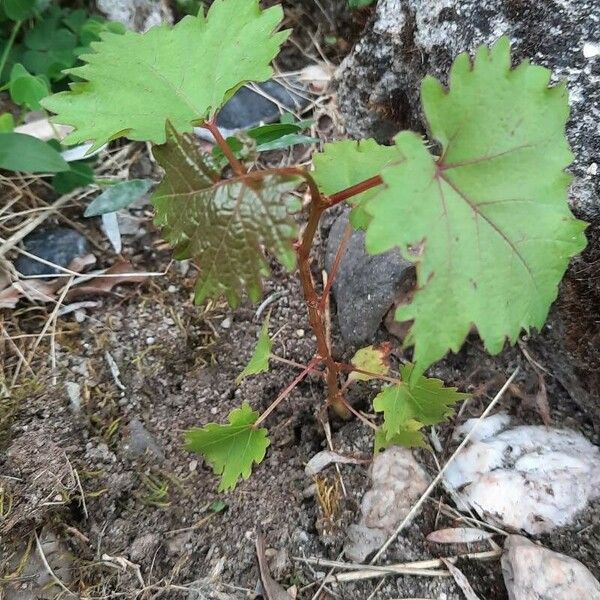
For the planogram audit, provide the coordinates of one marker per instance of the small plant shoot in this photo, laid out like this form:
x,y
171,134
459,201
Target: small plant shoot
x,y
480,208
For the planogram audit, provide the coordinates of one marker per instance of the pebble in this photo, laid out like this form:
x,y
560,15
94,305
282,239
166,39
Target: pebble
x,y
57,245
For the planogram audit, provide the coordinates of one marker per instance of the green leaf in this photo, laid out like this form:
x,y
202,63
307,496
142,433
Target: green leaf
x,y
20,152
79,175
426,401
18,10
487,224
118,196
7,123
50,48
231,449
187,72
374,359
346,163
259,363
287,141
354,4
26,89
410,436
223,224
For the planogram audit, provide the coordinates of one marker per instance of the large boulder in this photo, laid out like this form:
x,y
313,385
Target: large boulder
x,y
379,82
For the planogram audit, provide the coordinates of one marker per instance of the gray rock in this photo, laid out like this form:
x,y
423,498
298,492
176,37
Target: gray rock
x,y
365,287
532,572
140,441
58,245
138,15
398,482
248,108
379,82
144,546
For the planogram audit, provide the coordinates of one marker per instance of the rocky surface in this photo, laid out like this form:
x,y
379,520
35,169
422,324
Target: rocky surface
x,y
398,482
529,478
139,15
365,286
533,572
378,84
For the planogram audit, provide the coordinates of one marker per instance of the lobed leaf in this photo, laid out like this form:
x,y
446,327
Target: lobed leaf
x,y
223,224
231,449
346,163
425,401
410,436
487,223
134,83
259,363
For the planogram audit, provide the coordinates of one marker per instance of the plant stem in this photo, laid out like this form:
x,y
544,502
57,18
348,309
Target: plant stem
x,y
354,190
295,364
336,264
236,165
9,45
309,367
313,302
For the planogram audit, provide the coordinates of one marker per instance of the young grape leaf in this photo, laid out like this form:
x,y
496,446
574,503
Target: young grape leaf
x,y
424,400
259,363
344,164
135,82
223,223
230,449
487,223
374,359
410,436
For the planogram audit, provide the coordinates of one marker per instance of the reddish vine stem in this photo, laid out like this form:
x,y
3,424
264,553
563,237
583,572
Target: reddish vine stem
x,y
313,303
236,165
354,190
336,265
285,393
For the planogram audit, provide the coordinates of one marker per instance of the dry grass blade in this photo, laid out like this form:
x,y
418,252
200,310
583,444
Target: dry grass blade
x,y
272,590
461,581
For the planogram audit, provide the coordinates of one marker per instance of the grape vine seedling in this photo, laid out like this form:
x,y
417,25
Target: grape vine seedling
x,y
485,220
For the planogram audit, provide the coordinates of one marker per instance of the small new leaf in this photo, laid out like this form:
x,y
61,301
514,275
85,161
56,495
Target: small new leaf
x,y
230,449
372,359
259,363
424,400
223,224
134,83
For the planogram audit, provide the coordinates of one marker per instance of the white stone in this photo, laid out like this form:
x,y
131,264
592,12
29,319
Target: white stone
x,y
398,482
529,478
532,572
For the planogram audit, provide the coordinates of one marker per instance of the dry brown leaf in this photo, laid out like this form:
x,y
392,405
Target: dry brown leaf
x,y
272,590
458,535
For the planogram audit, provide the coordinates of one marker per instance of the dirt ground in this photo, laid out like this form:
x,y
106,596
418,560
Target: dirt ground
x,y
92,462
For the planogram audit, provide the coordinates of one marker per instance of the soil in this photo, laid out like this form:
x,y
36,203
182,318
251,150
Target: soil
x,y
138,516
